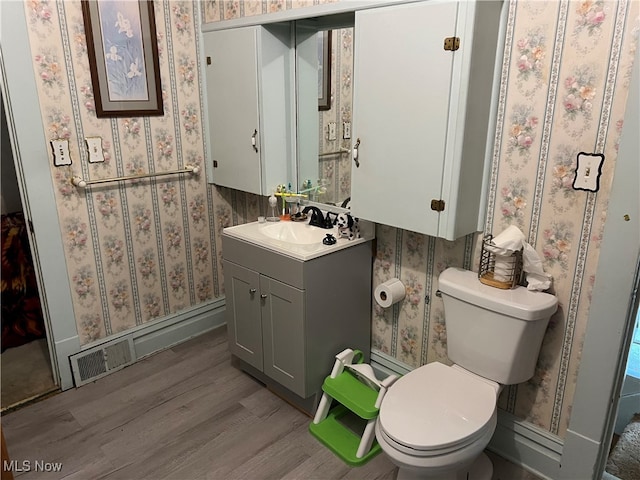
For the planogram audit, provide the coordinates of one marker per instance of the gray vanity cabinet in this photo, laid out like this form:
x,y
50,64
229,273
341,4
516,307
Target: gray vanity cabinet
x,y
287,318
267,332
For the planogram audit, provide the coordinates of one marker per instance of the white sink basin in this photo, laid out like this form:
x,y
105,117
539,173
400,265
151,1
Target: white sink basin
x,y
294,232
297,239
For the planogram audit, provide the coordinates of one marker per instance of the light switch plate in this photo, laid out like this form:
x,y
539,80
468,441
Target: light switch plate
x,y
94,147
346,130
588,171
331,131
61,154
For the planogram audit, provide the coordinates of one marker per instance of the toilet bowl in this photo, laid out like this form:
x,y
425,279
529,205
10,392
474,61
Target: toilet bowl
x,y
429,428
435,421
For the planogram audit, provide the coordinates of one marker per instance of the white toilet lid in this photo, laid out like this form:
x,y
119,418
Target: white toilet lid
x,y
436,406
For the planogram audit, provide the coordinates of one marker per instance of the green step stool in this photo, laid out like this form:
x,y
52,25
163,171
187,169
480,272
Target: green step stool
x,y
354,386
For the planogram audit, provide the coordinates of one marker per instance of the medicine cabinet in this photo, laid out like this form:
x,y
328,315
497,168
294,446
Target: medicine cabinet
x,y
421,114
423,82
251,106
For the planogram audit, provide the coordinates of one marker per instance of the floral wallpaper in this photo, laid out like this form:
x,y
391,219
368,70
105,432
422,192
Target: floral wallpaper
x,y
563,89
141,250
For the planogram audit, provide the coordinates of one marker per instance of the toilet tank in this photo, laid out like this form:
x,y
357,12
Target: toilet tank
x,y
494,333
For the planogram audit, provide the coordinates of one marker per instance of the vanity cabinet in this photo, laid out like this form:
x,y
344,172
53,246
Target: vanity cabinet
x,y
250,105
423,81
287,318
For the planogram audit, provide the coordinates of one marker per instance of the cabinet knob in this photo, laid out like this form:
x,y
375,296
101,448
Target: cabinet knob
x,y
252,291
263,296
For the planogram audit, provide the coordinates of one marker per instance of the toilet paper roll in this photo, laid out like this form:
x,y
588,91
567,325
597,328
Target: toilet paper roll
x,y
504,268
389,292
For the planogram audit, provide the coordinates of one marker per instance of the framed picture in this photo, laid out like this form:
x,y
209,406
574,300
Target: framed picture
x,y
123,57
324,70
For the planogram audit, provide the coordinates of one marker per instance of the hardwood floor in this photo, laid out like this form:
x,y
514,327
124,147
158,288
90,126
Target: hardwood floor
x,y
184,413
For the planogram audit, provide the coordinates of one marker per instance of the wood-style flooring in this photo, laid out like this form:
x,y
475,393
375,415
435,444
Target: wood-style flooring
x,y
182,414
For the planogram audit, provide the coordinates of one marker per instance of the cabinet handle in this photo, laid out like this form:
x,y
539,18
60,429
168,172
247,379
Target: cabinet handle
x,y
252,291
355,153
263,296
253,140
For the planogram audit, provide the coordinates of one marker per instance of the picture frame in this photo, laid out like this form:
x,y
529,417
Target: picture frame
x,y
123,57
324,70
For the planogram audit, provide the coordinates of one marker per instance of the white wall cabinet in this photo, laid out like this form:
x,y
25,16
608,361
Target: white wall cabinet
x,y
421,114
251,106
287,318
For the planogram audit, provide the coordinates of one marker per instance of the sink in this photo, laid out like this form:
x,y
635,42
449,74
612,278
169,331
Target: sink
x,y
297,239
292,232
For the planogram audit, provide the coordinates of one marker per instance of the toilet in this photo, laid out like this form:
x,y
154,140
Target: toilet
x,y
435,422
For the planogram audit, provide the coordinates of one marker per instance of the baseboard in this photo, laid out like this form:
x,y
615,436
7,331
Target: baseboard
x,y
386,365
526,445
520,442
63,350
118,351
179,328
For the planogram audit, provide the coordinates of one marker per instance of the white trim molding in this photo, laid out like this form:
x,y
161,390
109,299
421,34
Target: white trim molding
x,y
155,336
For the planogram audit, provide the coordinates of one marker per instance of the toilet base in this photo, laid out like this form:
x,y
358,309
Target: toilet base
x,y
480,469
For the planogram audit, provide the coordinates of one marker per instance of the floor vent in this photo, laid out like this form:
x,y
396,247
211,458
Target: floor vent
x,y
96,362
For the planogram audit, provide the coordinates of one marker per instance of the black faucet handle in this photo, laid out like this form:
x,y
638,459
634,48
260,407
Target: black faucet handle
x,y
329,223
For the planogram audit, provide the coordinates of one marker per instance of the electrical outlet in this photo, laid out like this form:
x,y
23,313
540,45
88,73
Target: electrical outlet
x,y
331,131
588,171
61,154
346,130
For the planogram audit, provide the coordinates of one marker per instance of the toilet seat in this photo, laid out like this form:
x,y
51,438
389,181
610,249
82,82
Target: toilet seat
x,y
436,409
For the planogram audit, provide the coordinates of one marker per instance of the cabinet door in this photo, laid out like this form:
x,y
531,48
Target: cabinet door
x,y
283,334
244,327
250,106
402,86
232,96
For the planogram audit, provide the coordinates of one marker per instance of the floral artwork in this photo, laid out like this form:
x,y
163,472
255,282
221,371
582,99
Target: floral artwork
x,y
123,56
122,39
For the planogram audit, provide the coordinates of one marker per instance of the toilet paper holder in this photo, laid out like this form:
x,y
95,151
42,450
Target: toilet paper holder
x,y
499,271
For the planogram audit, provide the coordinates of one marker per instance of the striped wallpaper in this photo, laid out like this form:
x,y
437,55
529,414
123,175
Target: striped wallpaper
x,y
147,249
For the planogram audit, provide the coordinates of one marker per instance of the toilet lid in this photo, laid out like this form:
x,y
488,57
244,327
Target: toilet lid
x,y
436,406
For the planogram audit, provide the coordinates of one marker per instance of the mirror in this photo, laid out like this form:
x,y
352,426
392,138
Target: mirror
x,y
324,121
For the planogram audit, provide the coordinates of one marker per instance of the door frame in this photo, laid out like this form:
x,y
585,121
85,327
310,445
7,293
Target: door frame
x,y
31,157
614,300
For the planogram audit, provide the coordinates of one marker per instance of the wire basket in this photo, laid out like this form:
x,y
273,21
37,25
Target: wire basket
x,y
499,271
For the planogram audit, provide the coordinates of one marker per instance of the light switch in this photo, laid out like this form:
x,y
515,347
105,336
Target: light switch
x,y
94,147
61,154
588,171
331,131
346,130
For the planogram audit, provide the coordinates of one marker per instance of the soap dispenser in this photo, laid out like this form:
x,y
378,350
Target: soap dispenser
x,y
273,202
